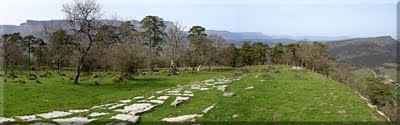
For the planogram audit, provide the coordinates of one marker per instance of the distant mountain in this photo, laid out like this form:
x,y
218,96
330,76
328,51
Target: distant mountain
x,y
36,28
365,52
239,37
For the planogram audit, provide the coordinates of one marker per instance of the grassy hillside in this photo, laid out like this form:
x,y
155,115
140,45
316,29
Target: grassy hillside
x,y
58,93
267,93
285,96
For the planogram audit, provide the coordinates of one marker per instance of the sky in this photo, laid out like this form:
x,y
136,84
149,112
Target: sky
x,y
352,18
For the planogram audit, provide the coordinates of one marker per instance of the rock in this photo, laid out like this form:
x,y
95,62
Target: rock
x,y
4,119
277,115
78,111
38,82
248,88
54,114
138,97
73,121
156,101
221,87
229,94
202,89
28,117
179,100
95,114
136,108
296,68
209,108
181,118
125,101
341,111
235,116
187,94
126,117
41,123
116,106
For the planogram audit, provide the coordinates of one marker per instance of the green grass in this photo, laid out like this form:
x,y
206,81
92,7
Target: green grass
x,y
58,93
363,73
283,98
300,96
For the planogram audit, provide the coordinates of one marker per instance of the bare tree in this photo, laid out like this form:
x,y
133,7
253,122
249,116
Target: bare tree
x,y
83,18
174,46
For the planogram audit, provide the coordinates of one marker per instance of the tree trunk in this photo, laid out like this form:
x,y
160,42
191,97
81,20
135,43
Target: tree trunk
x,y
78,69
58,64
173,68
198,68
209,66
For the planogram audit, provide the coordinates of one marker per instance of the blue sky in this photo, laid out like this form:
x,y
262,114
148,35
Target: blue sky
x,y
353,18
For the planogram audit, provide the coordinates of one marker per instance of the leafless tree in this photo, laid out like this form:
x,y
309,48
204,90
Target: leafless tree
x,y
174,46
83,20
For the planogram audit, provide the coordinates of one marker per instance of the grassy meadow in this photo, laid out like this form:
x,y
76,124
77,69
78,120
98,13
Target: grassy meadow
x,y
22,96
274,93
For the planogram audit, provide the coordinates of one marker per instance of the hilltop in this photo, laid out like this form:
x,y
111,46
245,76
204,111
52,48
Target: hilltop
x,y
365,52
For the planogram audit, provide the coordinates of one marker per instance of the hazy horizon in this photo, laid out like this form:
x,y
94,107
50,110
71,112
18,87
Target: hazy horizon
x,y
331,18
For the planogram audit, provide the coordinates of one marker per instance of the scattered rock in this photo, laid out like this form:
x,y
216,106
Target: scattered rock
x,y
323,104
138,97
96,83
95,114
4,119
244,70
221,87
54,114
291,110
250,87
61,73
341,111
31,76
277,115
125,101
136,108
116,106
181,118
229,94
235,116
73,121
296,68
209,108
179,100
28,117
78,111
157,101
42,123
126,117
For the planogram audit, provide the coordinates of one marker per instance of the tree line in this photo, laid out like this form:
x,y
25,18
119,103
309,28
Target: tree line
x,y
89,43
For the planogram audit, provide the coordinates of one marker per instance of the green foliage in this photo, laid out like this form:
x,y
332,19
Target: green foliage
x,y
379,93
154,30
